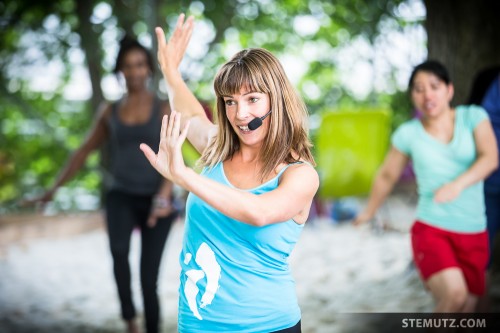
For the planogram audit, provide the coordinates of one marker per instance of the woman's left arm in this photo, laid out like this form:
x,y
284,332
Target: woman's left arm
x,y
293,196
486,162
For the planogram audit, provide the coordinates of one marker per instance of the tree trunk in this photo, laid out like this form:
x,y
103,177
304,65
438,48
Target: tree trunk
x,y
94,55
91,47
465,36
128,14
155,19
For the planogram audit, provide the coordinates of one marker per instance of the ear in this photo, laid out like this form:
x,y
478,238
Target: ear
x,y
451,92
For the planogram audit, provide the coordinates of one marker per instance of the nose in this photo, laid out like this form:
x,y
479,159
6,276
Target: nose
x,y
427,93
242,112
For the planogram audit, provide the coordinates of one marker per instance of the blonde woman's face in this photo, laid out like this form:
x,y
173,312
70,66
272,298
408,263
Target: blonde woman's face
x,y
243,107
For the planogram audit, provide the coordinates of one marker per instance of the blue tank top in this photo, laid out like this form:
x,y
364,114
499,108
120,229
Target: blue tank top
x,y
234,276
130,171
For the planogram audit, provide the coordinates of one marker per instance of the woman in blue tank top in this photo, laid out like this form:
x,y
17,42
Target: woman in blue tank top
x,y
246,209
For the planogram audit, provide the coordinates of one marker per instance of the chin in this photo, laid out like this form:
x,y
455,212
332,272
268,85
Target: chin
x,y
431,113
250,141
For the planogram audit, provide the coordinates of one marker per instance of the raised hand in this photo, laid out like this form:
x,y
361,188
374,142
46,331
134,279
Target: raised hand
x,y
170,54
362,218
39,202
169,161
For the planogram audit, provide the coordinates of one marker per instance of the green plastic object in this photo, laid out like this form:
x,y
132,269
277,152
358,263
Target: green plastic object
x,y
350,146
190,154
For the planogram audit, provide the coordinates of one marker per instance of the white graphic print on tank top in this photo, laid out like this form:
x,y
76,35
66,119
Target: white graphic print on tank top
x,y
210,269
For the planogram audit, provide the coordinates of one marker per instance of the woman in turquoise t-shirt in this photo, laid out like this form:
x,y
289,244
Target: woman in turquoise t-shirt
x,y
452,150
246,209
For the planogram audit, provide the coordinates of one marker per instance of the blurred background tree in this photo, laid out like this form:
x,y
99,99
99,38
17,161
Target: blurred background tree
x,y
56,59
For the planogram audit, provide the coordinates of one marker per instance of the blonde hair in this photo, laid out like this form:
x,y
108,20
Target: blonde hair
x,y
287,141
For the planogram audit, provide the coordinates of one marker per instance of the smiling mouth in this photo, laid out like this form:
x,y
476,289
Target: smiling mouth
x,y
244,128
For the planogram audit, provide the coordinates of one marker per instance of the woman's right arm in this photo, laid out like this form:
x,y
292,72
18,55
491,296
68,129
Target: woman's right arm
x,y
181,98
95,137
386,178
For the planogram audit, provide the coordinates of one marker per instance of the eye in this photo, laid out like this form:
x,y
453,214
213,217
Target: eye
x,y
229,102
254,99
435,86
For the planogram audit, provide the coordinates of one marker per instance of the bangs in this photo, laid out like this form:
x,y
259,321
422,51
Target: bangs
x,y
237,75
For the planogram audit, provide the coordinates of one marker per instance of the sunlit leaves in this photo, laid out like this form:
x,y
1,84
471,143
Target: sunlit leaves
x,y
40,41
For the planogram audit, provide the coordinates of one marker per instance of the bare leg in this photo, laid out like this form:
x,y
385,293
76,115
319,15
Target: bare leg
x,y
470,305
483,304
449,290
132,326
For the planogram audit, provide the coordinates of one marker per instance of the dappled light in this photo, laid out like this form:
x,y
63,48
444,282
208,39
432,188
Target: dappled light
x,y
350,61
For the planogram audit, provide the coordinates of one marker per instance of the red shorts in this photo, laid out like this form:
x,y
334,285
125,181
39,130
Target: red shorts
x,y
435,249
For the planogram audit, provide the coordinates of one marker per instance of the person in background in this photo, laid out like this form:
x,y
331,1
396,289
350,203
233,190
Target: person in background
x,y
247,208
485,92
453,150
136,195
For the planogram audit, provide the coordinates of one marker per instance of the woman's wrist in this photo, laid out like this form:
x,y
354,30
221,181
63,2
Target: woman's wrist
x,y
185,178
458,184
173,77
161,202
368,214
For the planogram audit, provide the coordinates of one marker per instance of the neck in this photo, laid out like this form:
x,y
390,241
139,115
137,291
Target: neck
x,y
137,95
137,89
249,154
444,118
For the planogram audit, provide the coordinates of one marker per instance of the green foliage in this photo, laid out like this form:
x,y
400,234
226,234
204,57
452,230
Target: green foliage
x,y
37,137
39,129
401,105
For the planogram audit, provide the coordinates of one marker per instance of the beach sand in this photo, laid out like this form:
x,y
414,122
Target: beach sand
x,y
56,274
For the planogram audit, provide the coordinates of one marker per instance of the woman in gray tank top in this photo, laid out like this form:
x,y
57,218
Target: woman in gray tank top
x,y
136,196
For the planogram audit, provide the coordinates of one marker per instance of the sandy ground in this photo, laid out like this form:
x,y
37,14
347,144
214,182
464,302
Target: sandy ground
x,y
55,273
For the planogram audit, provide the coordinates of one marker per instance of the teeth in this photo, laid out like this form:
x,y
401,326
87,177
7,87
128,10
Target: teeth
x,y
244,128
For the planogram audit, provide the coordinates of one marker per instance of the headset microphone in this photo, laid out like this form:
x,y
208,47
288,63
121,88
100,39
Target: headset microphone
x,y
257,122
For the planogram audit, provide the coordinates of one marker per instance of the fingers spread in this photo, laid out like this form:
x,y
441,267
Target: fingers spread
x,y
149,153
164,124
184,132
177,126
187,31
160,36
170,127
180,21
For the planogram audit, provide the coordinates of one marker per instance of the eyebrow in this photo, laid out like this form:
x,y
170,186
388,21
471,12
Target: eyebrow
x,y
248,93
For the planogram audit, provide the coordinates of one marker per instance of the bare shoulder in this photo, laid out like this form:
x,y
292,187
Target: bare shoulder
x,y
303,172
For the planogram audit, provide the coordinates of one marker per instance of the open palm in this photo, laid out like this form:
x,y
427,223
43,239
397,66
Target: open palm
x,y
169,161
170,54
